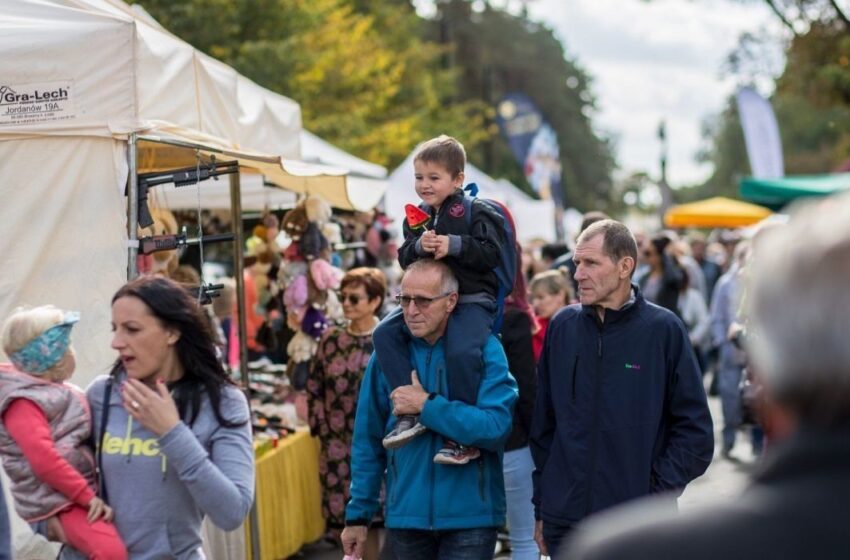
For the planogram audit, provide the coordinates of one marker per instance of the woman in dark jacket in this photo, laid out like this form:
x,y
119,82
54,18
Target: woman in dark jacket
x,y
663,283
517,327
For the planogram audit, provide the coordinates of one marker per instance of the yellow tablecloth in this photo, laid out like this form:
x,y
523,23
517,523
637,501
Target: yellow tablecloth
x,y
289,499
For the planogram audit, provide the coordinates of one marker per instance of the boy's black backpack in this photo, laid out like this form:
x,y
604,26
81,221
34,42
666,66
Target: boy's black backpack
x,y
506,270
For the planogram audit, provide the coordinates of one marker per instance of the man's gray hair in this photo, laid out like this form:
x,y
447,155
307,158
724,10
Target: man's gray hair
x,y
800,312
448,282
617,240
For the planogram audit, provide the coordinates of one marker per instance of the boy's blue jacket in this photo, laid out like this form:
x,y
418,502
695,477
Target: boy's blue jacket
x,y
621,411
419,493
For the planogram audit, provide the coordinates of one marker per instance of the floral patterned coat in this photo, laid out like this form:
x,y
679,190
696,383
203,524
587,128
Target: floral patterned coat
x,y
332,391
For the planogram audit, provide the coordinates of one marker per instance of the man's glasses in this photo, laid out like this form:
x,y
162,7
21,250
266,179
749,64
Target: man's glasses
x,y
354,299
421,302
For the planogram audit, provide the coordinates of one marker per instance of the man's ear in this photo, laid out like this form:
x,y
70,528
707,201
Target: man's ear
x,y
625,267
452,297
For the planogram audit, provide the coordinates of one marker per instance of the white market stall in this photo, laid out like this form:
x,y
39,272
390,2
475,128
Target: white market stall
x,y
80,81
533,217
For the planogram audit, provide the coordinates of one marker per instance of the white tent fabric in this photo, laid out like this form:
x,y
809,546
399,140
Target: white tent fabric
x,y
534,218
76,77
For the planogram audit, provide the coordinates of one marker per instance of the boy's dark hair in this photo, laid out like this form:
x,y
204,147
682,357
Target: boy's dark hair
x,y
444,150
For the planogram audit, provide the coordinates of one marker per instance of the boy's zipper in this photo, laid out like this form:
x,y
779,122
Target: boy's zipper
x,y
394,470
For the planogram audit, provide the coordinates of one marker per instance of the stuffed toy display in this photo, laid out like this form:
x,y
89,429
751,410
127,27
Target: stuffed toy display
x,y
308,281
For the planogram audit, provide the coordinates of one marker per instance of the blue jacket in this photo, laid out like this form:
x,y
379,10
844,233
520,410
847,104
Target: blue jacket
x,y
620,413
419,493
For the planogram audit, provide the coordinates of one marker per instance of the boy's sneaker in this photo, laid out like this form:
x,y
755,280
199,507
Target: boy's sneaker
x,y
455,454
407,428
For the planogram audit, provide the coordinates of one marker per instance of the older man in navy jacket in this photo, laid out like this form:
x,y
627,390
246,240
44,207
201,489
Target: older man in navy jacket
x,y
621,411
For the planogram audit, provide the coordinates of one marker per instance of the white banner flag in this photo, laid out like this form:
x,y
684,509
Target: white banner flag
x,y
761,133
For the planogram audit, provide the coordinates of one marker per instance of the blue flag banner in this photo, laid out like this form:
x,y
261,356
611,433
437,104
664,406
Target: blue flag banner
x,y
534,144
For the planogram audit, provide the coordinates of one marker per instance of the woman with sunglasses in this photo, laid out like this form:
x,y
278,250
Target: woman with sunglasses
x,y
333,388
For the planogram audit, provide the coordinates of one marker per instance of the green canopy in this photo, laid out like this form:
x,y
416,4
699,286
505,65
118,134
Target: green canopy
x,y
777,192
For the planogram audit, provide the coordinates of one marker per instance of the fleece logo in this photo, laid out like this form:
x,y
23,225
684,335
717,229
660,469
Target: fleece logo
x,y
32,103
114,445
632,366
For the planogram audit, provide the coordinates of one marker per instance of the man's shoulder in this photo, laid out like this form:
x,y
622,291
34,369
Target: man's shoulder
x,y
651,528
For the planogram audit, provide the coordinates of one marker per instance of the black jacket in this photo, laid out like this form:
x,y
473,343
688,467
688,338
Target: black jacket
x,y
796,509
480,243
516,340
621,411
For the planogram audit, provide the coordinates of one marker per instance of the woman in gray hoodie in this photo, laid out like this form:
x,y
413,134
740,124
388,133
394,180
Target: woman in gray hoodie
x,y
173,432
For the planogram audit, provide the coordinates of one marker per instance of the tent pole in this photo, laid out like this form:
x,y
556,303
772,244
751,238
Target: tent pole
x,y
132,209
238,274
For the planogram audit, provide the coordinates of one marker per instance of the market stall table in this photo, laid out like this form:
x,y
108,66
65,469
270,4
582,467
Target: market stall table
x,y
289,499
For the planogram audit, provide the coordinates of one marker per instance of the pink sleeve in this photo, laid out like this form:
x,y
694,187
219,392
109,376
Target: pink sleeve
x,y
28,426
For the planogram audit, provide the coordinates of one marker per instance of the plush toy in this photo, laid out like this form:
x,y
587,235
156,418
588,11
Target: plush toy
x,y
296,294
332,232
316,297
290,270
312,243
301,348
333,308
314,323
295,222
318,211
325,276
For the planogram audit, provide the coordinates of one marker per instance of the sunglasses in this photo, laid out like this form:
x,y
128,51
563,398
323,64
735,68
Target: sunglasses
x,y
421,302
354,299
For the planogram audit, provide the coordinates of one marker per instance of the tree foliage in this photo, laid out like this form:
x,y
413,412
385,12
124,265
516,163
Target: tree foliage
x,y
811,101
532,61
375,78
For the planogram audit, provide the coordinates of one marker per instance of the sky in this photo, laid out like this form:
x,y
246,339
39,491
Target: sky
x,y
651,61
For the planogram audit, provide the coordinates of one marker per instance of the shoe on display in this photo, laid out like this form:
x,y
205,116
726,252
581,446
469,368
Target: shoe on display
x,y
407,428
455,454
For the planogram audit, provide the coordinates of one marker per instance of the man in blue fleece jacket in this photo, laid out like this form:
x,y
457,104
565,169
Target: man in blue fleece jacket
x,y
621,411
432,510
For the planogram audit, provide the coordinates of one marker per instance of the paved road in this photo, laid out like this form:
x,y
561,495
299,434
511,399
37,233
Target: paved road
x,y
723,480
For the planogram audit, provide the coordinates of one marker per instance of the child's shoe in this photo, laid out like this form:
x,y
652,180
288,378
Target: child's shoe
x,y
407,428
454,453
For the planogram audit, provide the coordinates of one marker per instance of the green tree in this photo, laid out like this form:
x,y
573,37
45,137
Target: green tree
x,y
365,80
533,62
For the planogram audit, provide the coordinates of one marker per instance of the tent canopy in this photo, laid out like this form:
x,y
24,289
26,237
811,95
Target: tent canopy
x,y
715,212
123,73
777,192
366,182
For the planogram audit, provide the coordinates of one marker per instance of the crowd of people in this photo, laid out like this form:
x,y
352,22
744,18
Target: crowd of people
x,y
463,408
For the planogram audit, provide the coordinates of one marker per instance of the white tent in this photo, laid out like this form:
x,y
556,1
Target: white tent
x,y
534,218
80,80
366,183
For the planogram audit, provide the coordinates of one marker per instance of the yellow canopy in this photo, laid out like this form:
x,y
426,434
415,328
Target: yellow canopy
x,y
715,212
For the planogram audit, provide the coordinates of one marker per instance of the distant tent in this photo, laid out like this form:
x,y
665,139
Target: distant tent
x,y
778,192
715,212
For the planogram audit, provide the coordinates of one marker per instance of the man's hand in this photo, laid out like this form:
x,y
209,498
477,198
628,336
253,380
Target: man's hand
x,y
354,540
409,399
538,538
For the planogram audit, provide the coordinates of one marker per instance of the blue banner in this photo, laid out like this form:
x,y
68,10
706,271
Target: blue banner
x,y
534,144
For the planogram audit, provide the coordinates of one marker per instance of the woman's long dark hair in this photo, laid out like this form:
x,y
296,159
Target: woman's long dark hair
x,y
171,304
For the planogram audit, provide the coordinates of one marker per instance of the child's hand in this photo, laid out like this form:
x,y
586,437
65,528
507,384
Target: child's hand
x,y
429,241
98,509
441,247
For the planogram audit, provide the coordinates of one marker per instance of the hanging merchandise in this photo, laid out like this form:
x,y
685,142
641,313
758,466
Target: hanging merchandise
x,y
309,281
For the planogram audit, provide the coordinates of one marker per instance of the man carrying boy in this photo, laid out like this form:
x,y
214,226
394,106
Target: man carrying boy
x,y
471,247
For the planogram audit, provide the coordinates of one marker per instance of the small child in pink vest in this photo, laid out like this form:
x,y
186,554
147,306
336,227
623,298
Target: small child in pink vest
x,y
46,424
